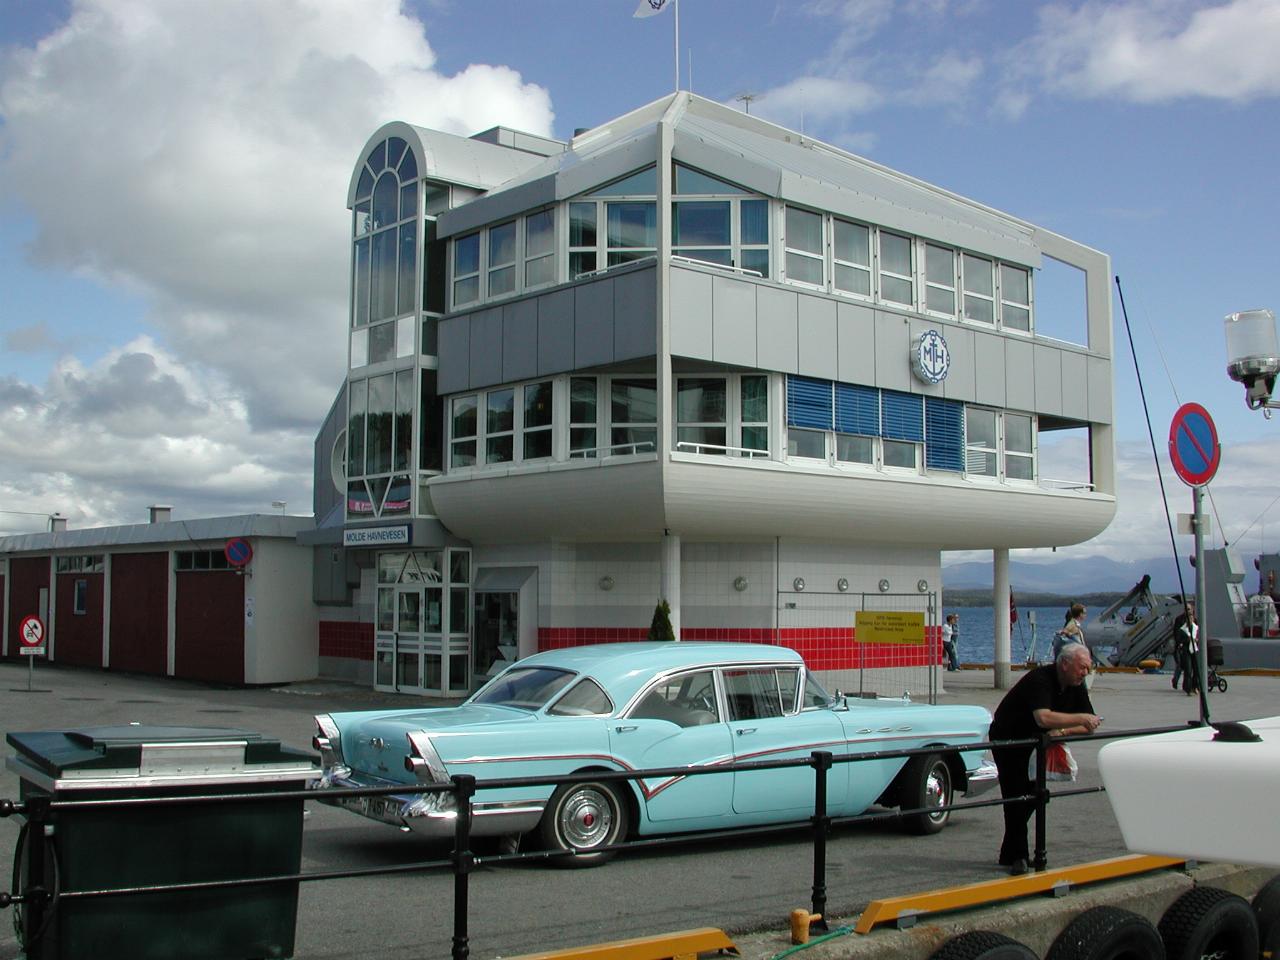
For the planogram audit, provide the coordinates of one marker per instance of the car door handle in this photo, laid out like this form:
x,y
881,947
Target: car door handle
x,y
864,730
906,727
745,730
626,729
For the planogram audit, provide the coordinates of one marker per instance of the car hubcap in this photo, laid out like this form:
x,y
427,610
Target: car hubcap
x,y
586,819
935,791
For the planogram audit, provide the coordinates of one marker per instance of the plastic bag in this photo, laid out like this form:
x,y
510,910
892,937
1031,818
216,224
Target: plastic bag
x,y
1059,764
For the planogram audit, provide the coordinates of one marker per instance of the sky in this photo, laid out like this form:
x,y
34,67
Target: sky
x,y
174,236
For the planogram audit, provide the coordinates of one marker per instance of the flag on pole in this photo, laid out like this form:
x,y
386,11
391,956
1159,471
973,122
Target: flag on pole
x,y
649,8
1013,609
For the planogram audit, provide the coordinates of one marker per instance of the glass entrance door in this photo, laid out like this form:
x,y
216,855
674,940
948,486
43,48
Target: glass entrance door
x,y
497,635
422,630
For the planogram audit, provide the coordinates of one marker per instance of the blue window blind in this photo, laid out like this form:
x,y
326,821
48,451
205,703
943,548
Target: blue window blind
x,y
903,416
944,434
857,409
809,403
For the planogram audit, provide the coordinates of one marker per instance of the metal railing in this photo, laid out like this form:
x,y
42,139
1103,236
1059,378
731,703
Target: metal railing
x,y
42,894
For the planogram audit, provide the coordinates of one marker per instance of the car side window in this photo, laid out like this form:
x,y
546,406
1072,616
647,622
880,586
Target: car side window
x,y
789,687
814,695
753,694
584,699
688,700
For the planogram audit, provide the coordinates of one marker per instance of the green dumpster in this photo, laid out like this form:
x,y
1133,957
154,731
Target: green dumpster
x,y
119,846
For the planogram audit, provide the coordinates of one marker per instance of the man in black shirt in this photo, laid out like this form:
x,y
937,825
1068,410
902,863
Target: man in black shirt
x,y
1052,698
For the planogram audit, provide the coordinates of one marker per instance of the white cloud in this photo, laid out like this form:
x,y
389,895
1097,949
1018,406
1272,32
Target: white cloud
x,y
200,154
1154,51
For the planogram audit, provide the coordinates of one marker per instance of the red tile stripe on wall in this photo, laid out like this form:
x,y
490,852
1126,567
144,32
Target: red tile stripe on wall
x,y
823,648
353,641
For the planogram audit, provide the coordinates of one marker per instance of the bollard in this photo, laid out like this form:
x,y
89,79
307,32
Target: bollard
x,y
800,921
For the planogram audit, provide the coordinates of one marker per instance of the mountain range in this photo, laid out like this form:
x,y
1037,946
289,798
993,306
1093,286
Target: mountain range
x,y
1080,575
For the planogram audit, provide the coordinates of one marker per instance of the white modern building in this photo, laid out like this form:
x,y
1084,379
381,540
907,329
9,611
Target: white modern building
x,y
688,355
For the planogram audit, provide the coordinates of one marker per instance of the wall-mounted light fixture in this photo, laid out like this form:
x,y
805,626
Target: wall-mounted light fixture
x,y
842,584
922,586
798,583
606,582
741,583
884,586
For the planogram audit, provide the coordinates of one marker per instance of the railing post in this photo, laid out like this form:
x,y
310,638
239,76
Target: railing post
x,y
1039,856
464,787
821,828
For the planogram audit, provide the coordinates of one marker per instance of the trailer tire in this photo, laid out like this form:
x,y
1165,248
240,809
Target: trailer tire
x,y
982,945
1108,933
1266,910
1208,920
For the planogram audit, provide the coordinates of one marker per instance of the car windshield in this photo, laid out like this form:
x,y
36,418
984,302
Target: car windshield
x,y
527,688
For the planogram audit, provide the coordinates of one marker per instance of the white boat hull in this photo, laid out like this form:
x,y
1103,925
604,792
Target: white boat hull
x,y
1184,794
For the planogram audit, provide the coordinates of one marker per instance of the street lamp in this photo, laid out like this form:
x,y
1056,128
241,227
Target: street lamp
x,y
1253,356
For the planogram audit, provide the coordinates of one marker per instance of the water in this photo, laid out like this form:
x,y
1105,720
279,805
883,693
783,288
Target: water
x,y
977,633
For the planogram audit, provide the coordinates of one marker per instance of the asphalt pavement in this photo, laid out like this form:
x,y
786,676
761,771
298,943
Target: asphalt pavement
x,y
740,886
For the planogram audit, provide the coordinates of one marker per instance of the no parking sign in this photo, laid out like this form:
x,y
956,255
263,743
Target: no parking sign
x,y
1193,445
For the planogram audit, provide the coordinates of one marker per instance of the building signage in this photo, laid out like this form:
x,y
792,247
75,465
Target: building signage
x,y
930,357
376,537
888,626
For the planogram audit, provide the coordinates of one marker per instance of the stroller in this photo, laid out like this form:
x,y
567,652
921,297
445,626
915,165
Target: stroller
x,y
1214,657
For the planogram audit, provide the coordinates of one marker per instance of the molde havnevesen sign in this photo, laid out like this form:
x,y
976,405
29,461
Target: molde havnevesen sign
x,y
931,357
889,626
376,536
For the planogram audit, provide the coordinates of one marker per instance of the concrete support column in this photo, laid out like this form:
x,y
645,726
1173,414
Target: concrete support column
x,y
1000,615
671,577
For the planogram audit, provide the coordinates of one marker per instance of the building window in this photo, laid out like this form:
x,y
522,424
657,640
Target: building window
x,y
87,563
702,412
999,444
186,561
804,246
539,249
462,432
502,259
583,416
633,415
896,269
940,280
499,426
979,291
537,424
466,270
385,234
80,598
732,229
754,406
582,239
1019,453
1015,298
851,255
981,450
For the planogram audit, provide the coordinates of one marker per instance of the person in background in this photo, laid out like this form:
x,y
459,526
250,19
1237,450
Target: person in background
x,y
950,637
1186,644
1053,698
1072,628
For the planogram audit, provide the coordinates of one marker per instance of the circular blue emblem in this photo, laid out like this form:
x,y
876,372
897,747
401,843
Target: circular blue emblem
x,y
931,359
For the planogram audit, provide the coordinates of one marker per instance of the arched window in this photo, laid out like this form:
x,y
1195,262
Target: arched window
x,y
385,233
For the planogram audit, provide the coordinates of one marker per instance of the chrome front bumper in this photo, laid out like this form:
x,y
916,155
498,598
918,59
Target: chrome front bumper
x,y
428,814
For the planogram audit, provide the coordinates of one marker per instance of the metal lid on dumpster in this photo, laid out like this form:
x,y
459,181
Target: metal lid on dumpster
x,y
133,754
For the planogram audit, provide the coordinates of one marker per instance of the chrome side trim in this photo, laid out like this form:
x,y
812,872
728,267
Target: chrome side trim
x,y
981,779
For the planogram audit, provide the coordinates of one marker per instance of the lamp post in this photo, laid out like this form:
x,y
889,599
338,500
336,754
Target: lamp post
x,y
1253,356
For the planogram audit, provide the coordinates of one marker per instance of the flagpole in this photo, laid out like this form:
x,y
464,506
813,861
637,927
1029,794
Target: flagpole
x,y
676,4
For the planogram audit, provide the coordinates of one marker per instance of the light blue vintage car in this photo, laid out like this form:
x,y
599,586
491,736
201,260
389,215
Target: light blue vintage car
x,y
648,706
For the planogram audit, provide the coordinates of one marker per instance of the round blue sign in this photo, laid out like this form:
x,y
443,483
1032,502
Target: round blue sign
x,y
1193,445
931,358
238,551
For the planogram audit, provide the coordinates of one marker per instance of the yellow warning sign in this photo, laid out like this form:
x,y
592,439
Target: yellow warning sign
x,y
889,626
